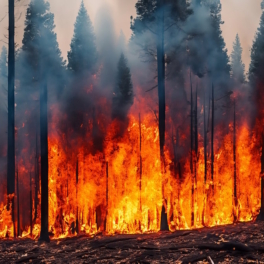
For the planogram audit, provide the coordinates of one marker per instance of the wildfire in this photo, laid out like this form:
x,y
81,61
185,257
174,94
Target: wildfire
x,y
119,189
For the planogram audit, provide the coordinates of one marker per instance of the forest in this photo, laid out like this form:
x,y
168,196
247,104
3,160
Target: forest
x,y
163,132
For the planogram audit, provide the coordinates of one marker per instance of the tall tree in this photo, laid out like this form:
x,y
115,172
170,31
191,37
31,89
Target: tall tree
x,y
156,18
256,79
40,67
123,92
82,56
11,107
237,66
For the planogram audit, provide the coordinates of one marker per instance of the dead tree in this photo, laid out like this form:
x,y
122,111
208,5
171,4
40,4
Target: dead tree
x,y
261,213
234,160
44,234
18,207
11,111
36,179
212,138
140,169
106,196
161,93
205,144
77,208
191,156
30,203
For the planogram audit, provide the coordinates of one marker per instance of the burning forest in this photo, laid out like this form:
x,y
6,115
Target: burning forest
x,y
163,132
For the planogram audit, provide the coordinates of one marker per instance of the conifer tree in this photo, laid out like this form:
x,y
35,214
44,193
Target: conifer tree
x,y
82,56
39,52
237,66
11,108
123,92
157,18
40,72
256,79
257,54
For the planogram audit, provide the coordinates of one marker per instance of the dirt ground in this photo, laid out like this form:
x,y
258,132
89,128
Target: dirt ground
x,y
240,243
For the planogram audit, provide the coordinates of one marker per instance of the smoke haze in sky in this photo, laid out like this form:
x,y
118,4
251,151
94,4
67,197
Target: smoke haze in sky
x,y
240,16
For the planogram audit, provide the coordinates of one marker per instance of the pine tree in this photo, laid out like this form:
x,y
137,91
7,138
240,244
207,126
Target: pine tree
x,y
40,72
11,108
82,56
40,50
257,55
237,66
208,53
156,18
123,92
256,79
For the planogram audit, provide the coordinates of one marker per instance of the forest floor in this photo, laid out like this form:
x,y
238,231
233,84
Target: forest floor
x,y
240,243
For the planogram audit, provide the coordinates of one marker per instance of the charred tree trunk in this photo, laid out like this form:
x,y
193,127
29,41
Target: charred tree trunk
x,y
234,160
177,154
44,234
205,144
205,161
140,170
161,93
11,111
30,204
261,213
212,139
191,157
106,196
196,125
77,208
36,178
18,207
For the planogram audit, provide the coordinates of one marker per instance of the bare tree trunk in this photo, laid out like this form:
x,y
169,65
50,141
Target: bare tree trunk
x,y
140,170
44,234
77,208
177,154
191,157
18,207
212,139
106,196
161,92
205,161
11,111
36,178
30,204
234,159
261,213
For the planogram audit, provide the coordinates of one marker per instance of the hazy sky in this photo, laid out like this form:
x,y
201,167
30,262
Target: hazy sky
x,y
240,16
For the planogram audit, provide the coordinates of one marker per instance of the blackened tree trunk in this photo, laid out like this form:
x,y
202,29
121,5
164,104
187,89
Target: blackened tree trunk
x,y
140,170
77,208
11,110
261,213
161,93
44,234
30,203
212,139
18,208
191,157
106,196
196,125
205,144
234,160
36,178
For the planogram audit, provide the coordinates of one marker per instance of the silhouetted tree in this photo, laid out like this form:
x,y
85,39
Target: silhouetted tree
x,y
11,108
123,92
156,18
237,66
82,56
